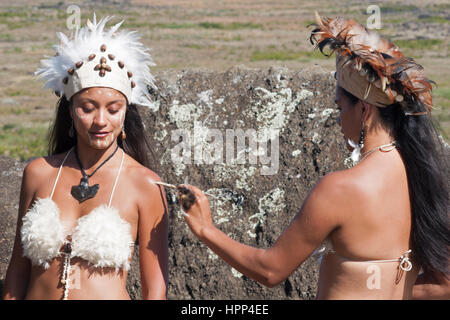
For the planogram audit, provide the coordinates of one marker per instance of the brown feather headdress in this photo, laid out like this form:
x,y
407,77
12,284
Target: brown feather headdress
x,y
371,67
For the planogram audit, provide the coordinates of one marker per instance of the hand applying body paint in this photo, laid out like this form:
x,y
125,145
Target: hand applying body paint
x,y
187,197
195,201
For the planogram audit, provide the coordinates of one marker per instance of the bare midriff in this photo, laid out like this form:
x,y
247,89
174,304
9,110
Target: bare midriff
x,y
86,282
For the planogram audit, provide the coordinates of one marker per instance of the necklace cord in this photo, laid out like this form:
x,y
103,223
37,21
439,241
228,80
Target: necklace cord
x,y
81,167
365,154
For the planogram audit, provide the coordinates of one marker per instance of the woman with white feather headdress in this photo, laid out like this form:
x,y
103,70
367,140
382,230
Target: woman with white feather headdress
x,y
85,206
381,220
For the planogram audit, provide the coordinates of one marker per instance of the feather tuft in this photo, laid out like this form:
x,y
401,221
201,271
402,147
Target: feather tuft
x,y
103,239
349,38
41,237
125,45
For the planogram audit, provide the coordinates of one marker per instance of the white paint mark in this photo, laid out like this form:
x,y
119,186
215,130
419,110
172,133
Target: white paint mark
x,y
236,273
160,135
272,202
296,152
316,138
154,105
327,112
212,255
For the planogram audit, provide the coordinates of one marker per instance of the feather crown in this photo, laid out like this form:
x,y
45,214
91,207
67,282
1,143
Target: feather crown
x,y
96,57
371,67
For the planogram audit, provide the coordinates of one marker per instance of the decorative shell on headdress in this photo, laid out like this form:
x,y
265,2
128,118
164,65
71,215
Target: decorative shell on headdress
x,y
371,67
96,57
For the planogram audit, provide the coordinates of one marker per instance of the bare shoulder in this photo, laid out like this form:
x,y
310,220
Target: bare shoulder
x,y
340,186
364,187
40,168
37,173
150,197
143,178
337,192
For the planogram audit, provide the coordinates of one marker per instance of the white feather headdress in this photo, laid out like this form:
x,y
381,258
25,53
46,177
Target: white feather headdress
x,y
95,57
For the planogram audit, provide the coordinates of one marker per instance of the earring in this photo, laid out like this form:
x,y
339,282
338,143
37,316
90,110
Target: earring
x,y
356,153
361,137
71,130
123,134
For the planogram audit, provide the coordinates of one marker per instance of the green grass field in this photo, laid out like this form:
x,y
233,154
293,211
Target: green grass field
x,y
207,34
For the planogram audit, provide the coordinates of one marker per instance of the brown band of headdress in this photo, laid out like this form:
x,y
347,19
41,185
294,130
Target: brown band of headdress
x,y
372,68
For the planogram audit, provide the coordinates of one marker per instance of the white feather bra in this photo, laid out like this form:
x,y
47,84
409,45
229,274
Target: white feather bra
x,y
101,237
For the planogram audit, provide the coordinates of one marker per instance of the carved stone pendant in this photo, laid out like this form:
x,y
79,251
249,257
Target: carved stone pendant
x,y
83,191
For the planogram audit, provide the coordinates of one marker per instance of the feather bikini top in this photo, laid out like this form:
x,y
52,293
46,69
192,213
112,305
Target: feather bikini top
x,y
101,237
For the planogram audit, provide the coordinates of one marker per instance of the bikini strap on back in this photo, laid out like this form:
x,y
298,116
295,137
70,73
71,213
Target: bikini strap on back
x,y
59,172
405,263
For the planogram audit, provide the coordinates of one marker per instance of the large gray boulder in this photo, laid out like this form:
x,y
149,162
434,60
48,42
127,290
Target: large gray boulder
x,y
10,181
296,111
293,140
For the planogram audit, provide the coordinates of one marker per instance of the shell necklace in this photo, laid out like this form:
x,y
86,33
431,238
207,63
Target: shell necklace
x,y
384,148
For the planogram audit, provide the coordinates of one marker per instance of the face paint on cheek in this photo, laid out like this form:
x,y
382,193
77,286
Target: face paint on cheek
x,y
76,119
121,117
79,115
90,140
106,142
102,143
75,115
96,143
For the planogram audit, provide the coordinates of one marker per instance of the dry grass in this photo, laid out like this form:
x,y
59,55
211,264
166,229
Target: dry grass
x,y
209,34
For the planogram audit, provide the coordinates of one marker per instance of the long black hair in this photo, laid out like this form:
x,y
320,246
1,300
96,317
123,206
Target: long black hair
x,y
426,163
134,145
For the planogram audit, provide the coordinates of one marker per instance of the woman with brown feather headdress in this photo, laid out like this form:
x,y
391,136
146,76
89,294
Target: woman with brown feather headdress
x,y
384,219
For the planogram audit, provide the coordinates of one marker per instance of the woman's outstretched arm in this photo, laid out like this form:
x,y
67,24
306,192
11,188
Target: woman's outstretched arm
x,y
317,218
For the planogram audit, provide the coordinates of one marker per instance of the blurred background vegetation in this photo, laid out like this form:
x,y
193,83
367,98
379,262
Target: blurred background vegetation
x,y
207,34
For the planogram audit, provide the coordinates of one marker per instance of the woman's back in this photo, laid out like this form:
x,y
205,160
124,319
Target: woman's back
x,y
376,226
